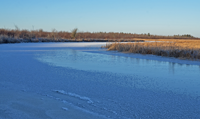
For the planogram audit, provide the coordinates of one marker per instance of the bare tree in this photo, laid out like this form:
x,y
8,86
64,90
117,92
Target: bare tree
x,y
74,33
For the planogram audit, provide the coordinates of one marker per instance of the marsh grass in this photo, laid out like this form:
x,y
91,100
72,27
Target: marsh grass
x,y
7,39
180,49
22,35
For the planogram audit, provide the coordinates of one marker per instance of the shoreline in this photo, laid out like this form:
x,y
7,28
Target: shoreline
x,y
13,40
189,50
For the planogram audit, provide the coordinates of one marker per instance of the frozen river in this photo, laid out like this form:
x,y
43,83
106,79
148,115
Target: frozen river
x,y
82,80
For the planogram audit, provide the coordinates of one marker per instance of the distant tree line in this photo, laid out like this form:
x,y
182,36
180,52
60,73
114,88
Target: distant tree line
x,y
54,34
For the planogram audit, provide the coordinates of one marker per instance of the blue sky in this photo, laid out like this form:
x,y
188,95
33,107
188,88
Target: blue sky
x,y
161,17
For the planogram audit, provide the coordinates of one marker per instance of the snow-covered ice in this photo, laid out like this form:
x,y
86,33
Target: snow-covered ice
x,y
66,109
82,80
75,95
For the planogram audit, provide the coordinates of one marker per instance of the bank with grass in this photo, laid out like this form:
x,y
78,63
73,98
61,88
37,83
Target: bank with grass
x,y
17,36
183,49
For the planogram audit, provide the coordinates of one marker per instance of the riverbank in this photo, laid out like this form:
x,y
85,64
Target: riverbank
x,y
17,36
6,39
183,49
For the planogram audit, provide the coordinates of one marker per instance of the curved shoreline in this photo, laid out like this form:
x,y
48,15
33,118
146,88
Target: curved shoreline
x,y
166,49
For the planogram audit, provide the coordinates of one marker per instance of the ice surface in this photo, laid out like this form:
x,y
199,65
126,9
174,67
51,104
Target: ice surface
x,y
145,72
91,83
64,108
75,95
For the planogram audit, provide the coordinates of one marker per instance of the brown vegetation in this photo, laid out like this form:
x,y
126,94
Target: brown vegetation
x,y
184,49
17,35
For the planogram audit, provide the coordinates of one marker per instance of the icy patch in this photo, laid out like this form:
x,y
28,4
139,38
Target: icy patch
x,y
64,108
60,45
74,95
75,106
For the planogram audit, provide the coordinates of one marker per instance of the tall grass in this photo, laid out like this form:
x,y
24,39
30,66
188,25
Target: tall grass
x,y
53,35
17,35
179,49
85,35
7,39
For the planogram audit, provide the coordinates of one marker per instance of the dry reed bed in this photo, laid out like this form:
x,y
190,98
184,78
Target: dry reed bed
x,y
74,34
17,35
184,49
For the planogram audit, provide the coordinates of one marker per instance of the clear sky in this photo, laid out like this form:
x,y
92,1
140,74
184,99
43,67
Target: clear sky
x,y
160,17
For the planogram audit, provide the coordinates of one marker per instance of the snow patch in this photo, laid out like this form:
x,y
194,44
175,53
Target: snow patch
x,y
74,95
64,108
